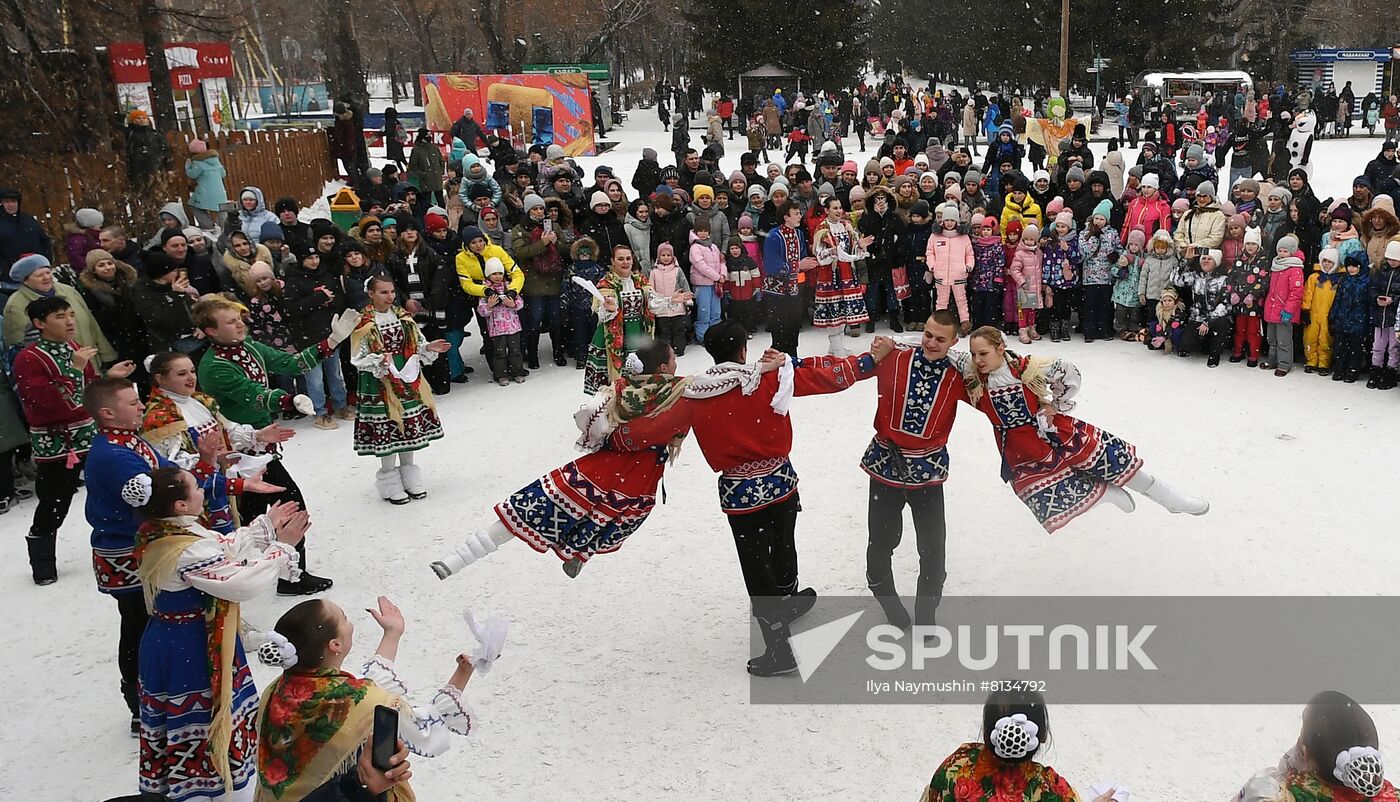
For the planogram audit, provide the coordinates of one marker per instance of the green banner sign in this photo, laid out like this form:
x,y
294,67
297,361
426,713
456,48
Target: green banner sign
x,y
595,72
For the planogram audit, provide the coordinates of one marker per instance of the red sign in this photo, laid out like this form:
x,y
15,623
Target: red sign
x,y
189,62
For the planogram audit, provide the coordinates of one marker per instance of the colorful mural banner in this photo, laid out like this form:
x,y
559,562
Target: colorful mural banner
x,y
548,109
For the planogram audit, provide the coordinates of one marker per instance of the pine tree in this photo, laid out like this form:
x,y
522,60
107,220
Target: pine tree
x,y
824,41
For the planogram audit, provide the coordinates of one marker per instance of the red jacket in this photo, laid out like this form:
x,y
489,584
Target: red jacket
x,y
726,109
748,443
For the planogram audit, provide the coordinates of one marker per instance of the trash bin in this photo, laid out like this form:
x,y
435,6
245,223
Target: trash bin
x,y
345,208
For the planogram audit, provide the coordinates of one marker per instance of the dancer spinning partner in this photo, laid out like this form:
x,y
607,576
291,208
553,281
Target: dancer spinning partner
x,y
1059,466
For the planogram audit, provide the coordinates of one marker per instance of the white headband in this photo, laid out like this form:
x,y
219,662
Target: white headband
x,y
1014,737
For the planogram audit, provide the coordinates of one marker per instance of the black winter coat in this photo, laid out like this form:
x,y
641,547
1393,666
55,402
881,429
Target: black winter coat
x,y
309,310
606,230
164,312
431,276
20,233
888,250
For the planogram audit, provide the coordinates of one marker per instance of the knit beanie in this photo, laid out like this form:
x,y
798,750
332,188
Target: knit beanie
x,y
436,222
1031,231
600,198
949,211
1253,235
1066,217
271,231
1289,244
1104,209
198,146
493,266
1181,205
1196,152
1075,173
745,221
26,265
857,195
920,208
1215,256
531,201
88,218
1151,180
886,162
1137,237
973,174
1330,255
1392,250
665,249
1055,206
1041,175
1206,188
701,191
1283,194
757,191
826,189
96,255
849,166
470,233
1342,212
649,154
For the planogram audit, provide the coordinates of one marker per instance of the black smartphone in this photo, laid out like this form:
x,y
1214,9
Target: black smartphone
x,y
386,737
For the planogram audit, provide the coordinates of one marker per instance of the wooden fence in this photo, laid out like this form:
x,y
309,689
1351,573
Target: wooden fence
x,y
294,163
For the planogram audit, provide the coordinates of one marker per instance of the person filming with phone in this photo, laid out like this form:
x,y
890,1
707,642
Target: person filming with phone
x,y
315,720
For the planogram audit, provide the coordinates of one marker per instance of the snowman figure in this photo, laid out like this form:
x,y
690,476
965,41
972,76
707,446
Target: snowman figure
x,y
1300,141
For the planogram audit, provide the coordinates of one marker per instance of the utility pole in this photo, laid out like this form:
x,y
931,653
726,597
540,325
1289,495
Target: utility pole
x,y
1064,49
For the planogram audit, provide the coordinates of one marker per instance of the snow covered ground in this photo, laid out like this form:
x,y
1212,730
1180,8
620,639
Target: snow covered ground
x,y
628,682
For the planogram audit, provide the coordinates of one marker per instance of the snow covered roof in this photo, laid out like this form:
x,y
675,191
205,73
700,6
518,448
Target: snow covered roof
x,y
768,71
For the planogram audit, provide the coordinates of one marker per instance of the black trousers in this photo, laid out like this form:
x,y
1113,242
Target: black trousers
x,y
1350,352
132,609
767,552
251,505
1096,311
784,321
885,517
54,484
986,308
672,330
747,313
1218,337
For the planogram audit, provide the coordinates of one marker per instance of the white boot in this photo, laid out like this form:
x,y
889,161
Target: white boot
x,y
1173,500
390,485
837,345
1118,497
477,545
413,481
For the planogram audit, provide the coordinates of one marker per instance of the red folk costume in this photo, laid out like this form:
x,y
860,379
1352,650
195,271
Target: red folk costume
x,y
1059,466
753,458
914,416
840,297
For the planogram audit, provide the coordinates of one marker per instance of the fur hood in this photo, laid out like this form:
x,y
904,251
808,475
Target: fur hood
x,y
125,278
239,269
1379,221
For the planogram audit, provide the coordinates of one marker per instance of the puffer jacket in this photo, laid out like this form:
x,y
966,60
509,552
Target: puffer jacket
x,y
1248,284
1351,309
706,263
252,222
989,264
1147,216
469,269
474,173
719,222
1202,226
1024,270
1378,225
1286,290
1209,298
1158,271
1100,252
207,173
1056,256
950,258
1385,281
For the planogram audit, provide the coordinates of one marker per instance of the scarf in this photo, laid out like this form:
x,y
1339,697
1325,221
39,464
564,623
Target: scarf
x,y
392,386
1031,370
159,544
165,421
311,725
1282,263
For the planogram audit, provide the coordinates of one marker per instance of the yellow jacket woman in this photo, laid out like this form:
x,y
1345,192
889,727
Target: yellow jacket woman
x,y
476,249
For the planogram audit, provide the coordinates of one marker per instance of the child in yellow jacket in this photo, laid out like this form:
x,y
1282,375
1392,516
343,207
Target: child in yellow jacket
x,y
1318,295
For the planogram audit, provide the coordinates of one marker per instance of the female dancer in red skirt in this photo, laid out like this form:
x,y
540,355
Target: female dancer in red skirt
x,y
1059,466
594,503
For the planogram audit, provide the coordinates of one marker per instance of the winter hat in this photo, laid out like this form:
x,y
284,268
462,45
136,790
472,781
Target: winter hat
x,y
138,117
921,208
1031,231
26,265
374,172
1248,184
1241,220
1227,208
949,211
434,222
1137,236
1006,128
1287,243
1253,235
734,239
1181,205
1075,173
1392,251
1196,152
1135,172
1041,175
271,231
1342,212
603,170
478,191
88,218
390,222
96,255
921,159
1206,188
1282,193
912,171
600,198
553,152
662,190
886,162
826,189
1079,132
1152,146
1014,226
649,154
665,249
849,166
1104,209
1151,180
531,201
492,267
932,175
1066,217
757,191
1055,206
952,177
745,221
701,191
973,174
1215,256
667,173
1330,255
470,233
978,220
857,195
738,175
952,191
198,146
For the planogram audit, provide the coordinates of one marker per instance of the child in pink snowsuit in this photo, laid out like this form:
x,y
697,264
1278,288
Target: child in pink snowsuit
x,y
950,258
1283,306
500,306
1024,273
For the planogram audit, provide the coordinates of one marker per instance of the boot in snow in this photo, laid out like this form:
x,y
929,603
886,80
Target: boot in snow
x,y
42,562
888,597
390,485
1118,497
476,546
1173,500
777,659
413,481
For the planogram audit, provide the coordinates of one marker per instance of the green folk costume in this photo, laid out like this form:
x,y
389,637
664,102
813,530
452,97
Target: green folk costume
x,y
396,413
621,334
236,376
